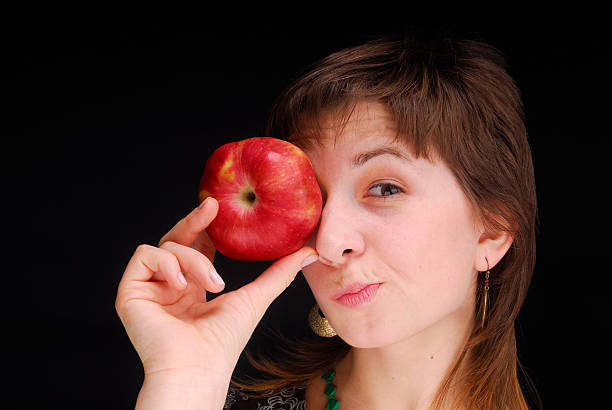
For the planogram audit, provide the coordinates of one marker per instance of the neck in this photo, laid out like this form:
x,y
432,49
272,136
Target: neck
x,y
404,375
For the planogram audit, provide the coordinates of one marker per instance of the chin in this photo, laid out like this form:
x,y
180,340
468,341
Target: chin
x,y
356,337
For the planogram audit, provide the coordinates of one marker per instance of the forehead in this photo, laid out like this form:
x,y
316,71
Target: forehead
x,y
369,117
367,125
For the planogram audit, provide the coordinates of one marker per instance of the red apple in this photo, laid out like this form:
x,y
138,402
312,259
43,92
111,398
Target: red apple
x,y
269,199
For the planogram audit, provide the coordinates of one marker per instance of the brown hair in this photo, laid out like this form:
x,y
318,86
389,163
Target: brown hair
x,y
455,99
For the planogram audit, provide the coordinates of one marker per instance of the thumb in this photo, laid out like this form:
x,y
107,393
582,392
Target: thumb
x,y
274,280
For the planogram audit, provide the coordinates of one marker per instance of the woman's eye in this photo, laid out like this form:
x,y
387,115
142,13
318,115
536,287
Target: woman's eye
x,y
385,189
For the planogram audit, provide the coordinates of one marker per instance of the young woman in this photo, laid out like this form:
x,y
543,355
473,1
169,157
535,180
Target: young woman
x,y
421,153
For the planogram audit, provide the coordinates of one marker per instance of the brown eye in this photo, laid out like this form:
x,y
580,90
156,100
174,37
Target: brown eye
x,y
386,189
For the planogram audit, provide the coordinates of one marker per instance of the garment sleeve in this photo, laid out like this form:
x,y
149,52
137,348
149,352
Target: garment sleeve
x,y
236,400
291,399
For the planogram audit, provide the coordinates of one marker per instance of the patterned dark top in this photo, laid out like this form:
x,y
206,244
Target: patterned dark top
x,y
293,398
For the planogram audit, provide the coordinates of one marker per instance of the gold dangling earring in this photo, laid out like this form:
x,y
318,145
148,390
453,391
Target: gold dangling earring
x,y
319,324
486,295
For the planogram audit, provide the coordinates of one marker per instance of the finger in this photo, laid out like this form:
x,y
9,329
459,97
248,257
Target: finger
x,y
274,280
196,266
193,287
187,230
204,245
158,292
147,260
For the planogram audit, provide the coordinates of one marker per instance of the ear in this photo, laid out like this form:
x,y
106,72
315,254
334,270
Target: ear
x,y
491,248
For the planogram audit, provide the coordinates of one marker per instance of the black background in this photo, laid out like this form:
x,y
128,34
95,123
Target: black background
x,y
108,122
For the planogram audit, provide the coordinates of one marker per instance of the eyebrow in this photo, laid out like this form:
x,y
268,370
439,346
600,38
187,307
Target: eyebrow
x,y
361,158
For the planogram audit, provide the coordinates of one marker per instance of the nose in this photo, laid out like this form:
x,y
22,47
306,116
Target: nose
x,y
338,238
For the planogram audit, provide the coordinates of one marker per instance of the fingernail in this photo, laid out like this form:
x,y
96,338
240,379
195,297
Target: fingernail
x,y
203,202
309,260
215,277
182,278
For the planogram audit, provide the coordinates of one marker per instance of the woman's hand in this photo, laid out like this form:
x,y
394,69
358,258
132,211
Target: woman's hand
x,y
170,323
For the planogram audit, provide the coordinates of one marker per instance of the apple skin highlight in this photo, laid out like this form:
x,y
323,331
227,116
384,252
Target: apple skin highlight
x,y
269,199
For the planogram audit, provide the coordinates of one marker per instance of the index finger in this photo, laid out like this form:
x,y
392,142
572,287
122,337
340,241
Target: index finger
x,y
188,229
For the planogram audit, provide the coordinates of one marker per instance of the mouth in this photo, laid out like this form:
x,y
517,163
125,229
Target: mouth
x,y
354,288
360,296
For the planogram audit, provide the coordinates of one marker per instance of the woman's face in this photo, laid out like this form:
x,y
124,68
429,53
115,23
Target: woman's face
x,y
404,223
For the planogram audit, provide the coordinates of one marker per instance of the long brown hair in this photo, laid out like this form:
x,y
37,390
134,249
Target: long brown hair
x,y
453,98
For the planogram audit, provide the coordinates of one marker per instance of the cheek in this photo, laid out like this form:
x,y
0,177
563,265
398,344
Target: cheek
x,y
431,256
322,281
313,277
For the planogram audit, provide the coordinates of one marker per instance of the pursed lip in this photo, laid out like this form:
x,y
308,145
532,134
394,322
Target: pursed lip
x,y
353,288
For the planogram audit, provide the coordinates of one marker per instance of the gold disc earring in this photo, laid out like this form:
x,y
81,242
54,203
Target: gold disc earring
x,y
485,301
318,323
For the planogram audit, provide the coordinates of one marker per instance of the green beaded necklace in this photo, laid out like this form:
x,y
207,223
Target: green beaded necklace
x,y
330,390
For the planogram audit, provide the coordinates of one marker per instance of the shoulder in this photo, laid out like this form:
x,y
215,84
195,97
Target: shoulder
x,y
292,398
